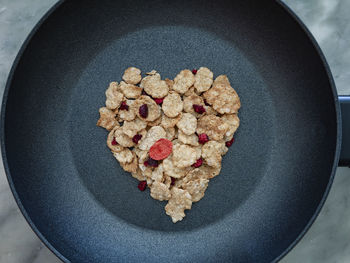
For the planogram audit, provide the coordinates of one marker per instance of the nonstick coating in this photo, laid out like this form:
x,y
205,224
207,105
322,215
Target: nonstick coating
x,y
274,178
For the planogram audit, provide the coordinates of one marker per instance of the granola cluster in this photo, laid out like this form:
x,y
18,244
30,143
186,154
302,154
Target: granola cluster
x,y
171,134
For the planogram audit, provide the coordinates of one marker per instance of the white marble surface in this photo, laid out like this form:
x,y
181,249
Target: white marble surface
x,y
328,240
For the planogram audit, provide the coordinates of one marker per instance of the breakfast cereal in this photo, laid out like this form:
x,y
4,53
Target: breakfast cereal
x,y
171,134
132,75
113,97
107,119
130,91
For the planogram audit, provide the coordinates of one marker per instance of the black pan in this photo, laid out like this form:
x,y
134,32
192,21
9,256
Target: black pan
x,y
274,179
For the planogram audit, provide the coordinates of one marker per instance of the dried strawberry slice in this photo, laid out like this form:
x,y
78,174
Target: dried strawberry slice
x,y
198,108
142,185
203,138
230,142
161,149
198,163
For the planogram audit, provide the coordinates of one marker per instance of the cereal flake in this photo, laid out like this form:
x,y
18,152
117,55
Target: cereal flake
x,y
212,152
190,101
160,191
130,91
172,105
131,128
169,122
107,119
113,97
128,115
154,86
188,139
178,202
110,138
183,155
131,166
223,98
125,156
173,171
196,188
232,121
132,75
213,126
203,79
138,175
122,138
183,81
153,108
187,124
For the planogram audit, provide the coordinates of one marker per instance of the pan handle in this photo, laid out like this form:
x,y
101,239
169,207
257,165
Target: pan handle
x,y
345,147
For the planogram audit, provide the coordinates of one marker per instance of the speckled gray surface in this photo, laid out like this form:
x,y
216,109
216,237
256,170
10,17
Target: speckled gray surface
x,y
328,239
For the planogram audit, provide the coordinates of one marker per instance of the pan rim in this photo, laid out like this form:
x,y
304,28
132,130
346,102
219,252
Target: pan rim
x,y
339,128
18,59
2,133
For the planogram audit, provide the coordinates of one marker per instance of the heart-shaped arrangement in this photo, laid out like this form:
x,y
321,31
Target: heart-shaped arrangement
x,y
171,134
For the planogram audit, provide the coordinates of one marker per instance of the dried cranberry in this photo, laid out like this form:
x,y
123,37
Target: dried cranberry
x,y
194,71
203,138
198,108
230,142
198,163
114,142
124,106
206,103
143,111
142,185
151,162
172,180
159,101
136,138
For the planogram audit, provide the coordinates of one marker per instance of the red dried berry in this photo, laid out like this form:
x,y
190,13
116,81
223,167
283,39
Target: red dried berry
x,y
142,185
203,138
172,181
124,106
194,71
114,142
198,163
151,162
161,149
136,138
230,142
198,108
143,111
159,101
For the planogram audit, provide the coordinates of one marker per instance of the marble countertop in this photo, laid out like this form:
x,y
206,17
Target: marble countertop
x,y
328,240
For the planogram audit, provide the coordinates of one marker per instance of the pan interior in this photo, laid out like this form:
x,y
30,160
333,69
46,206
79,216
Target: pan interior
x,y
272,178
